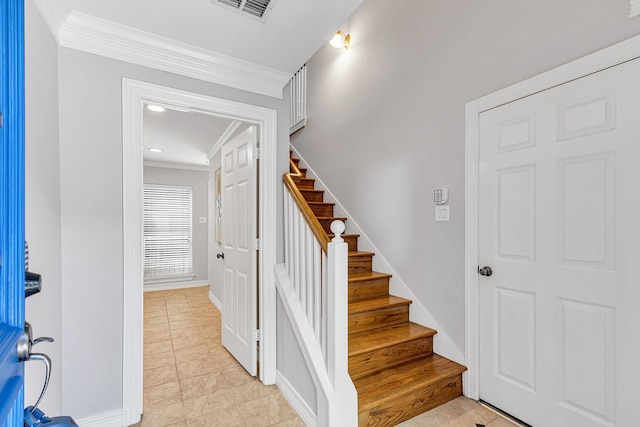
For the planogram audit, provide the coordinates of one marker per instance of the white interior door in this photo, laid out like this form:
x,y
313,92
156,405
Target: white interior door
x,y
239,233
558,224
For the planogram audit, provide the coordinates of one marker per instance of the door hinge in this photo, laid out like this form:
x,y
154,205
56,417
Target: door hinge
x,y
256,335
257,153
256,244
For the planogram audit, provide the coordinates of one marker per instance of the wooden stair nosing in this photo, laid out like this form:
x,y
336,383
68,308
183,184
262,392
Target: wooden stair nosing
x,y
366,341
371,275
376,303
407,377
361,254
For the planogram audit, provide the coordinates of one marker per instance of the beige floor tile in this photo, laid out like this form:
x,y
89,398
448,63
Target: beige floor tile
x,y
183,316
153,297
180,343
163,416
162,395
225,418
177,307
157,347
161,375
266,411
195,368
223,359
501,422
151,337
200,352
160,327
150,313
185,333
292,422
156,319
208,403
202,384
184,324
251,391
159,359
410,423
236,375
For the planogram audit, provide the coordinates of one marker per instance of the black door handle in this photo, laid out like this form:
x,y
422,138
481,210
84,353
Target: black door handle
x,y
220,255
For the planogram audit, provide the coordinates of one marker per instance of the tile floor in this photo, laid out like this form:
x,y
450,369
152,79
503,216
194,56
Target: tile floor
x,y
190,380
461,412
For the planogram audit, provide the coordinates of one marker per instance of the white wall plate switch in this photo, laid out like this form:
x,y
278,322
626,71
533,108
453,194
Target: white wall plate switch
x,y
442,213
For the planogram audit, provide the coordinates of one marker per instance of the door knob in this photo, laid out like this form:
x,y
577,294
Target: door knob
x,y
485,271
220,255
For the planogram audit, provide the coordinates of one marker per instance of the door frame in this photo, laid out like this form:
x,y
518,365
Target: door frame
x,y
598,61
134,95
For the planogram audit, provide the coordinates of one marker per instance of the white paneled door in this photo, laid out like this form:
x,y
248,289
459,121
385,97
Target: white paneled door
x,y
239,234
559,200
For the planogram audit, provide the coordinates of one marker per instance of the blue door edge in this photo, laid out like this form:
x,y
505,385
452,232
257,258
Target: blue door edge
x,y
12,210
11,378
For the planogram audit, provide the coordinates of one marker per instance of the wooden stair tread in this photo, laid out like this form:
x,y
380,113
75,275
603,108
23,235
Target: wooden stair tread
x,y
361,253
333,218
371,275
372,340
376,303
418,374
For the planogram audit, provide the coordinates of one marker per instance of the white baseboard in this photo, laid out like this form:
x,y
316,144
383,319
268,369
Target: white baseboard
x,y
296,401
175,285
107,419
215,301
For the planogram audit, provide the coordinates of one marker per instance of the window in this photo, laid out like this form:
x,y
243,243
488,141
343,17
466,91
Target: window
x,y
167,231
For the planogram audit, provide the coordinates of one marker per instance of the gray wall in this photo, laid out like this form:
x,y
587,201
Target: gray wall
x,y
386,117
91,209
42,204
198,181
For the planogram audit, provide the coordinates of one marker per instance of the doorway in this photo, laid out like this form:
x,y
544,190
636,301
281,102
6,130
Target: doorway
x,y
135,95
579,122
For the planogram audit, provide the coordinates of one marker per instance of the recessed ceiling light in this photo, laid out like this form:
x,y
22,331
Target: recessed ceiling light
x,y
156,150
156,108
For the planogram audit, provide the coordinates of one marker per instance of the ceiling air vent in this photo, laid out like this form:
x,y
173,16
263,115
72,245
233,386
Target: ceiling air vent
x,y
257,9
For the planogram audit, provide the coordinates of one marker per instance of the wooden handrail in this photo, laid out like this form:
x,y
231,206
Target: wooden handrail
x,y
290,179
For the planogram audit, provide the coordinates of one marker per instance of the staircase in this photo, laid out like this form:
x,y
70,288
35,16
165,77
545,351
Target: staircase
x,y
391,359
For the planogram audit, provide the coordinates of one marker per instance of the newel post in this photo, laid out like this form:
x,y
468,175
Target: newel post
x,y
344,410
337,322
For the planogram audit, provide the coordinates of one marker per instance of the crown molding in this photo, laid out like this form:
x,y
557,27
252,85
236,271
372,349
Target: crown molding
x,y
54,13
93,35
635,8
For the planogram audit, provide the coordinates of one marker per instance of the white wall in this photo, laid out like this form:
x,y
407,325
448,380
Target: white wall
x,y
91,195
198,181
42,204
386,117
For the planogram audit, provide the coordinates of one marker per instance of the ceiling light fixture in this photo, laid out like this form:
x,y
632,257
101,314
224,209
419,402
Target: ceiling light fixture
x,y
156,150
156,108
341,40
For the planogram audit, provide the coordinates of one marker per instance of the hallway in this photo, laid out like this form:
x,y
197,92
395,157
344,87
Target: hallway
x,y
190,380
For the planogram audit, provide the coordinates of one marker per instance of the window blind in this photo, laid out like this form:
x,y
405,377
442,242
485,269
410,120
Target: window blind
x,y
167,231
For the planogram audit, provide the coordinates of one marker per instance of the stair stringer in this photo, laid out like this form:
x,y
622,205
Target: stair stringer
x,y
442,343
333,408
